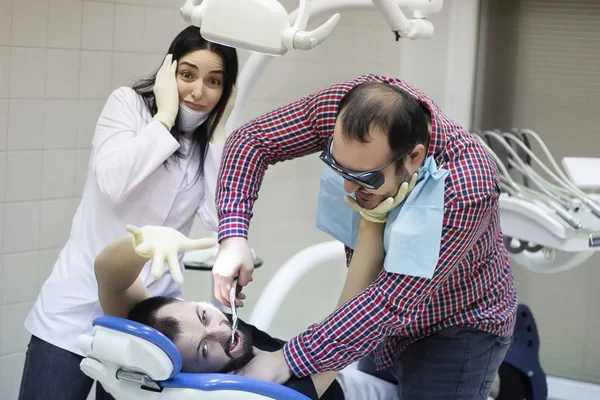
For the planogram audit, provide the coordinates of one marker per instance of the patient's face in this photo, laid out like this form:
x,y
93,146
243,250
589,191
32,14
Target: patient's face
x,y
205,342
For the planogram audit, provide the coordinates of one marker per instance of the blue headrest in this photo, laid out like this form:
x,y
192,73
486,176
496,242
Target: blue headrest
x,y
144,332
205,382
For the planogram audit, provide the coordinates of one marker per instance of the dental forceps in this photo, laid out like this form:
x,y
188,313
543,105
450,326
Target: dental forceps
x,y
232,296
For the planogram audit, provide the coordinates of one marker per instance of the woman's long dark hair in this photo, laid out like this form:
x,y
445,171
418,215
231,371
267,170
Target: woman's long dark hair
x,y
187,41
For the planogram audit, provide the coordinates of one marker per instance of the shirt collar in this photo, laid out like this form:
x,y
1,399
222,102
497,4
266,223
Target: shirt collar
x,y
437,137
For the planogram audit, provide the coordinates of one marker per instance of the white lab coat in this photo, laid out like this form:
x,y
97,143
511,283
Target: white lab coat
x,y
127,183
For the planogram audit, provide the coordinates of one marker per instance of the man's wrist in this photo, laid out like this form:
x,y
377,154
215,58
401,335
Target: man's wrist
x,y
366,223
374,218
233,225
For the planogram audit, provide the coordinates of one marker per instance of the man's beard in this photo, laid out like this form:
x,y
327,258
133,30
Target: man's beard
x,y
245,355
401,177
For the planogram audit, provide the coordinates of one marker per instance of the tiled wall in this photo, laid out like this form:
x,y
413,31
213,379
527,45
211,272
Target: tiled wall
x,y
59,60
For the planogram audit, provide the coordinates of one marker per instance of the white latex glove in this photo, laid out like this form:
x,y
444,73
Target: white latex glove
x,y
166,93
160,242
220,135
234,259
380,212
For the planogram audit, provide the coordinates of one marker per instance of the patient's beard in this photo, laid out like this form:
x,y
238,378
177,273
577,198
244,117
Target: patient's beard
x,y
245,355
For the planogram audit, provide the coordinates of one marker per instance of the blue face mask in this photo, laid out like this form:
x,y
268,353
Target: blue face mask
x,y
413,231
333,214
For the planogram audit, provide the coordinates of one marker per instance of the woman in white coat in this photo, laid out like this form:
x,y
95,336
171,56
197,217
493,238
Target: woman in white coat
x,y
154,161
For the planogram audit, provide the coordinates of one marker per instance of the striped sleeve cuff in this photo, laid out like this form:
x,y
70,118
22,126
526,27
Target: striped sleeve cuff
x,y
233,225
298,358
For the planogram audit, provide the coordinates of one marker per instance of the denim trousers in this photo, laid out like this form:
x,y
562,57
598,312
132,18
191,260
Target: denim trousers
x,y
52,373
455,363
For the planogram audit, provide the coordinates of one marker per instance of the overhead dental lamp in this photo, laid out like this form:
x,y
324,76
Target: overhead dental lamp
x,y
264,26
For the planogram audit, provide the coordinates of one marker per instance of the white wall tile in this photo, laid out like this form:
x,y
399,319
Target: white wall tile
x,y
56,218
27,72
62,74
14,335
257,108
81,170
21,268
158,29
4,71
298,79
2,176
24,178
129,28
46,263
3,124
87,117
150,3
58,173
95,74
1,294
64,24
3,226
30,23
60,124
98,26
5,21
127,68
11,368
178,25
170,3
22,220
152,62
25,124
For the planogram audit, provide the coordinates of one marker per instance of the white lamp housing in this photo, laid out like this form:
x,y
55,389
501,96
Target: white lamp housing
x,y
256,25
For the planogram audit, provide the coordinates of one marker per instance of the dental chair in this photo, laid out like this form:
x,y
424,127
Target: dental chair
x,y
133,361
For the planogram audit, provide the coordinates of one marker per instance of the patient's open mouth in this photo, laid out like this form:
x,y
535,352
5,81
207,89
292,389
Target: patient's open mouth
x,y
236,343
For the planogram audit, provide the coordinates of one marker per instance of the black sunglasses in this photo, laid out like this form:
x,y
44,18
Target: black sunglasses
x,y
371,179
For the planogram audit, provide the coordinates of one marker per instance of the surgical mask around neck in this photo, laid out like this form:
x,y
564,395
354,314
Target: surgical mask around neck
x,y
190,119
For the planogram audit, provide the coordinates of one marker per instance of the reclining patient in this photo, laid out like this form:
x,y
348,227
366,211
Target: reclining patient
x,y
201,332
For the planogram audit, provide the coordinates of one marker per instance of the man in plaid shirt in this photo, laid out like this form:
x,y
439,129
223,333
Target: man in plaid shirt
x,y
440,337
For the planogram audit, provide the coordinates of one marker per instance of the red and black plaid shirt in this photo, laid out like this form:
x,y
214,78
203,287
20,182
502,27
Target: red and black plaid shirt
x,y
472,285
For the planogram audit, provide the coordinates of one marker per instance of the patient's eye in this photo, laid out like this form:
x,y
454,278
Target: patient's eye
x,y
204,349
202,316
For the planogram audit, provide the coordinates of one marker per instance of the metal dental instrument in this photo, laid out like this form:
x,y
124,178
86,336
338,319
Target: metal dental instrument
x,y
232,297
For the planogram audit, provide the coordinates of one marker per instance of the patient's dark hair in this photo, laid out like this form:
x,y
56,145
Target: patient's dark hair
x,y
145,311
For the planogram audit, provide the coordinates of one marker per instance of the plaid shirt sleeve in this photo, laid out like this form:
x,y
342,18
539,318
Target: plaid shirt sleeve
x,y
295,130
392,301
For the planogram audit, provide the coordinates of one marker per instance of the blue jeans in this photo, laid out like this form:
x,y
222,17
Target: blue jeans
x,y
453,364
51,373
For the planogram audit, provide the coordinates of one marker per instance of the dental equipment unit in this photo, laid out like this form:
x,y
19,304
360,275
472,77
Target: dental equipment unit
x,y
264,26
549,223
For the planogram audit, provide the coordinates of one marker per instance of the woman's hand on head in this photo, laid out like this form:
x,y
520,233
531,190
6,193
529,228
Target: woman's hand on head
x,y
166,93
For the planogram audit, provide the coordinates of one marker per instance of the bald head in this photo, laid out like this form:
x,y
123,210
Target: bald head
x,y
383,107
